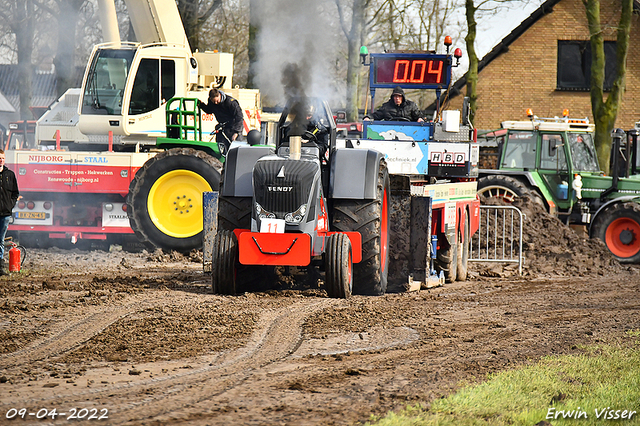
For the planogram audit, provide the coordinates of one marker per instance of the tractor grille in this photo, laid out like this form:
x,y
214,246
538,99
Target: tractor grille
x,y
281,195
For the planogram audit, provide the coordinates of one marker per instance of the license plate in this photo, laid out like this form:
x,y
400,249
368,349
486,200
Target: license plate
x,y
31,215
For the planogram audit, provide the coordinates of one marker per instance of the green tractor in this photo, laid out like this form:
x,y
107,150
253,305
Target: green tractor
x,y
553,162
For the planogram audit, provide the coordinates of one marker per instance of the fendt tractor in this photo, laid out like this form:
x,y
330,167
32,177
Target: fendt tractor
x,y
373,213
123,100
553,161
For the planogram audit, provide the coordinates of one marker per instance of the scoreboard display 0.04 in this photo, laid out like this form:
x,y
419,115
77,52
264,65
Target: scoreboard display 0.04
x,y
420,71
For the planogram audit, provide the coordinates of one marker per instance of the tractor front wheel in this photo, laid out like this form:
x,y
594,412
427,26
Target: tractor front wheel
x,y
224,265
619,227
338,267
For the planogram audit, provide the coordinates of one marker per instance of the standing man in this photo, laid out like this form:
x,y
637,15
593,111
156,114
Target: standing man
x,y
229,116
8,197
398,108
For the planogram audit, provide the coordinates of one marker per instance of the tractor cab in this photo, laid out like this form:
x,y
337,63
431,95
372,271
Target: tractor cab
x,y
310,120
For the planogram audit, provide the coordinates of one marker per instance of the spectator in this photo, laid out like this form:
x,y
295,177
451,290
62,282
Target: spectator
x,y
8,196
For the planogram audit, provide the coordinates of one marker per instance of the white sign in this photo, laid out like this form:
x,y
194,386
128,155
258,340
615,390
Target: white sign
x,y
272,226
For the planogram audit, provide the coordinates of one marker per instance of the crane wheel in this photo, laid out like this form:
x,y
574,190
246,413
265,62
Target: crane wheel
x,y
164,203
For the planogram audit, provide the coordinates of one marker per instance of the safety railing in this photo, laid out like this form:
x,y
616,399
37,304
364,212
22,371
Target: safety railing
x,y
499,237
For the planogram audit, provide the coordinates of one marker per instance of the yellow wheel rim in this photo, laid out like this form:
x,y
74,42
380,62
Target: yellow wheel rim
x,y
175,203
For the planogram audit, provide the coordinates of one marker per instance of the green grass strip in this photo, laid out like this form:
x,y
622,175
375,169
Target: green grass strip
x,y
574,390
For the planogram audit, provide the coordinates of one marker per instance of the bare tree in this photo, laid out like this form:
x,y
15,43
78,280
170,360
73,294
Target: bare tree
x,y
66,13
354,35
19,16
473,8
194,14
606,112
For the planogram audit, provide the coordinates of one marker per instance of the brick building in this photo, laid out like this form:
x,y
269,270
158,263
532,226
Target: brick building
x,y
544,65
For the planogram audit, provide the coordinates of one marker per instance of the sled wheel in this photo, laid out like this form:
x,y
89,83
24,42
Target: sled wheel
x,y
505,188
225,255
338,267
619,227
463,250
447,259
371,219
165,198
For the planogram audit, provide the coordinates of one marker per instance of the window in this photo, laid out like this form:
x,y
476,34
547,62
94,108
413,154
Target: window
x,y
520,151
574,65
144,95
552,158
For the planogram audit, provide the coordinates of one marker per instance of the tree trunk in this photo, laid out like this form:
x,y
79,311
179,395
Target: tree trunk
x,y
353,65
65,53
254,29
606,112
472,73
24,31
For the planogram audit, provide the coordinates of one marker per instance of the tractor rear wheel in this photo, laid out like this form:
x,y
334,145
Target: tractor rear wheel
x,y
338,267
463,250
619,227
371,219
224,265
234,213
505,188
164,204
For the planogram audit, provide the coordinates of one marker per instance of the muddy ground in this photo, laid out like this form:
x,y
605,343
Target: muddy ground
x,y
140,339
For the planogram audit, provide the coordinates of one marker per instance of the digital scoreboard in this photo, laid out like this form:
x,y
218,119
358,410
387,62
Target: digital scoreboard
x,y
410,70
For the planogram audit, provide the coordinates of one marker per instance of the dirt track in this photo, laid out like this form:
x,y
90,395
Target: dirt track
x,y
141,336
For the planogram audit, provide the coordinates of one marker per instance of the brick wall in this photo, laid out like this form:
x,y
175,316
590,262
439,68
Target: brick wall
x,y
525,76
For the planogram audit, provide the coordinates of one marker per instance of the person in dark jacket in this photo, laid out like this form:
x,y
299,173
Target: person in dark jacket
x,y
398,108
229,116
8,196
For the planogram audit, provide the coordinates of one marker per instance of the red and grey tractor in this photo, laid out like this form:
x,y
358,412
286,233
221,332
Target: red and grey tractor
x,y
304,203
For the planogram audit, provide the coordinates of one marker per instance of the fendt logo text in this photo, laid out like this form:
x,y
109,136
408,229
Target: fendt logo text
x,y
280,188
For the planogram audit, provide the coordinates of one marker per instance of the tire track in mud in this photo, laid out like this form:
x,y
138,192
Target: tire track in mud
x,y
72,335
277,335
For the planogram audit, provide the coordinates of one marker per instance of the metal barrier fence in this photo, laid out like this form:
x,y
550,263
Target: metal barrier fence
x,y
499,238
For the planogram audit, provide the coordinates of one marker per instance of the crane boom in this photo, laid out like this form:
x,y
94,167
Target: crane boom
x,y
157,21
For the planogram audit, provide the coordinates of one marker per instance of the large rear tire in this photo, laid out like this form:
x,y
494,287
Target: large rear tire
x,y
619,227
371,219
234,213
165,198
224,265
505,188
338,267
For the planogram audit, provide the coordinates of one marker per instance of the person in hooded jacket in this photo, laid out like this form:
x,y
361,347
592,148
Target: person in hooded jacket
x,y
229,116
8,196
398,107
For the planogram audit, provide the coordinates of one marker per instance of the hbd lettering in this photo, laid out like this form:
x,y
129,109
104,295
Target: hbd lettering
x,y
601,414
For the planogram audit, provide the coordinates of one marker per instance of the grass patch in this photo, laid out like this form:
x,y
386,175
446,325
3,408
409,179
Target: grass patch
x,y
602,380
